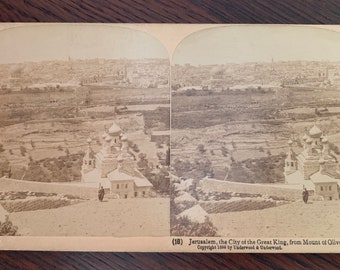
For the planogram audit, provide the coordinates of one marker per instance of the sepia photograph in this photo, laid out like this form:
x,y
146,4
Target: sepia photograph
x,y
84,132
255,133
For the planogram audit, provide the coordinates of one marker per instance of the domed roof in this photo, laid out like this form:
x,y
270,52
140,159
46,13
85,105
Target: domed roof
x,y
124,138
120,158
108,138
114,129
315,131
324,139
217,70
290,142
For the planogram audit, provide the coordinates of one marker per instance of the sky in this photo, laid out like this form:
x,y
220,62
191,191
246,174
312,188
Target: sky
x,y
241,44
58,42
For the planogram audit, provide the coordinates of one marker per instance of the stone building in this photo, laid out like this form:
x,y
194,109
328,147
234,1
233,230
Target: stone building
x,y
315,168
114,167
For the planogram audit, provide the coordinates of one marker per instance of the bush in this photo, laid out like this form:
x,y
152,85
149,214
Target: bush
x,y
23,150
7,228
201,148
183,226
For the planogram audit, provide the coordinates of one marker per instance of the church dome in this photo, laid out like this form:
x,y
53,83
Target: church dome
x,y
219,70
322,161
325,139
120,158
290,142
315,131
108,138
115,129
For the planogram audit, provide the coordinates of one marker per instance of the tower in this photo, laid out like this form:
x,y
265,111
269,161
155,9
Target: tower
x,y
89,159
290,161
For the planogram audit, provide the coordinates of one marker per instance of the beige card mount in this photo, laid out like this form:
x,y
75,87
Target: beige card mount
x,y
151,137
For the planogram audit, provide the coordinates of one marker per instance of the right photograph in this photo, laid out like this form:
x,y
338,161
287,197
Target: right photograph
x,y
255,133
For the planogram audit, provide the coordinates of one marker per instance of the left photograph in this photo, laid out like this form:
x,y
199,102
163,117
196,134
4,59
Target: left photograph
x,y
84,132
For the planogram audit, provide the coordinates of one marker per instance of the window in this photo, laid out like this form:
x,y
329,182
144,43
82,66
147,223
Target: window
x,y
126,185
136,194
125,196
143,193
85,162
292,163
330,188
330,198
117,186
321,188
89,162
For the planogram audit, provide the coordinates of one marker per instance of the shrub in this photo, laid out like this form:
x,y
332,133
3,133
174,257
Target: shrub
x,y
201,148
183,226
23,150
7,228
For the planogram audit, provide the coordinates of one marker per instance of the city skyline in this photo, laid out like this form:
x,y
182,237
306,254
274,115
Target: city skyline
x,y
61,42
246,44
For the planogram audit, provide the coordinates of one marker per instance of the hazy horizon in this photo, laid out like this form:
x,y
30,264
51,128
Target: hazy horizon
x,y
257,43
54,42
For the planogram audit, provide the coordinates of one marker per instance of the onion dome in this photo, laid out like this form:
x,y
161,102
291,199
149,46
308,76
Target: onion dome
x,y
217,70
124,138
120,158
324,139
321,160
108,138
305,137
315,132
115,129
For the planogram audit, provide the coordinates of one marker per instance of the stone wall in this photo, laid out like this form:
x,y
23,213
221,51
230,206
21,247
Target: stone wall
x,y
213,185
7,184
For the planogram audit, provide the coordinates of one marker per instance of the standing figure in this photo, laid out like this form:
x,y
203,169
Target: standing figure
x,y
101,193
305,195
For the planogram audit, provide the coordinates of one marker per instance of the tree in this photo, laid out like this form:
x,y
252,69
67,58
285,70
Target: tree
x,y
224,151
167,157
183,226
7,228
23,150
201,148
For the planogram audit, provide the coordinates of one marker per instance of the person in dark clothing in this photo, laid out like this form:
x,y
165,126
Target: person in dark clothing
x,y
101,193
305,195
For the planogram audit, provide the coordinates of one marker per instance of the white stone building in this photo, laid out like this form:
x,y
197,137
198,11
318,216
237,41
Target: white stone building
x,y
315,168
114,168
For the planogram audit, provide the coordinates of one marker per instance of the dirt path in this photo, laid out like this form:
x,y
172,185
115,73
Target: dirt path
x,y
130,217
315,219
